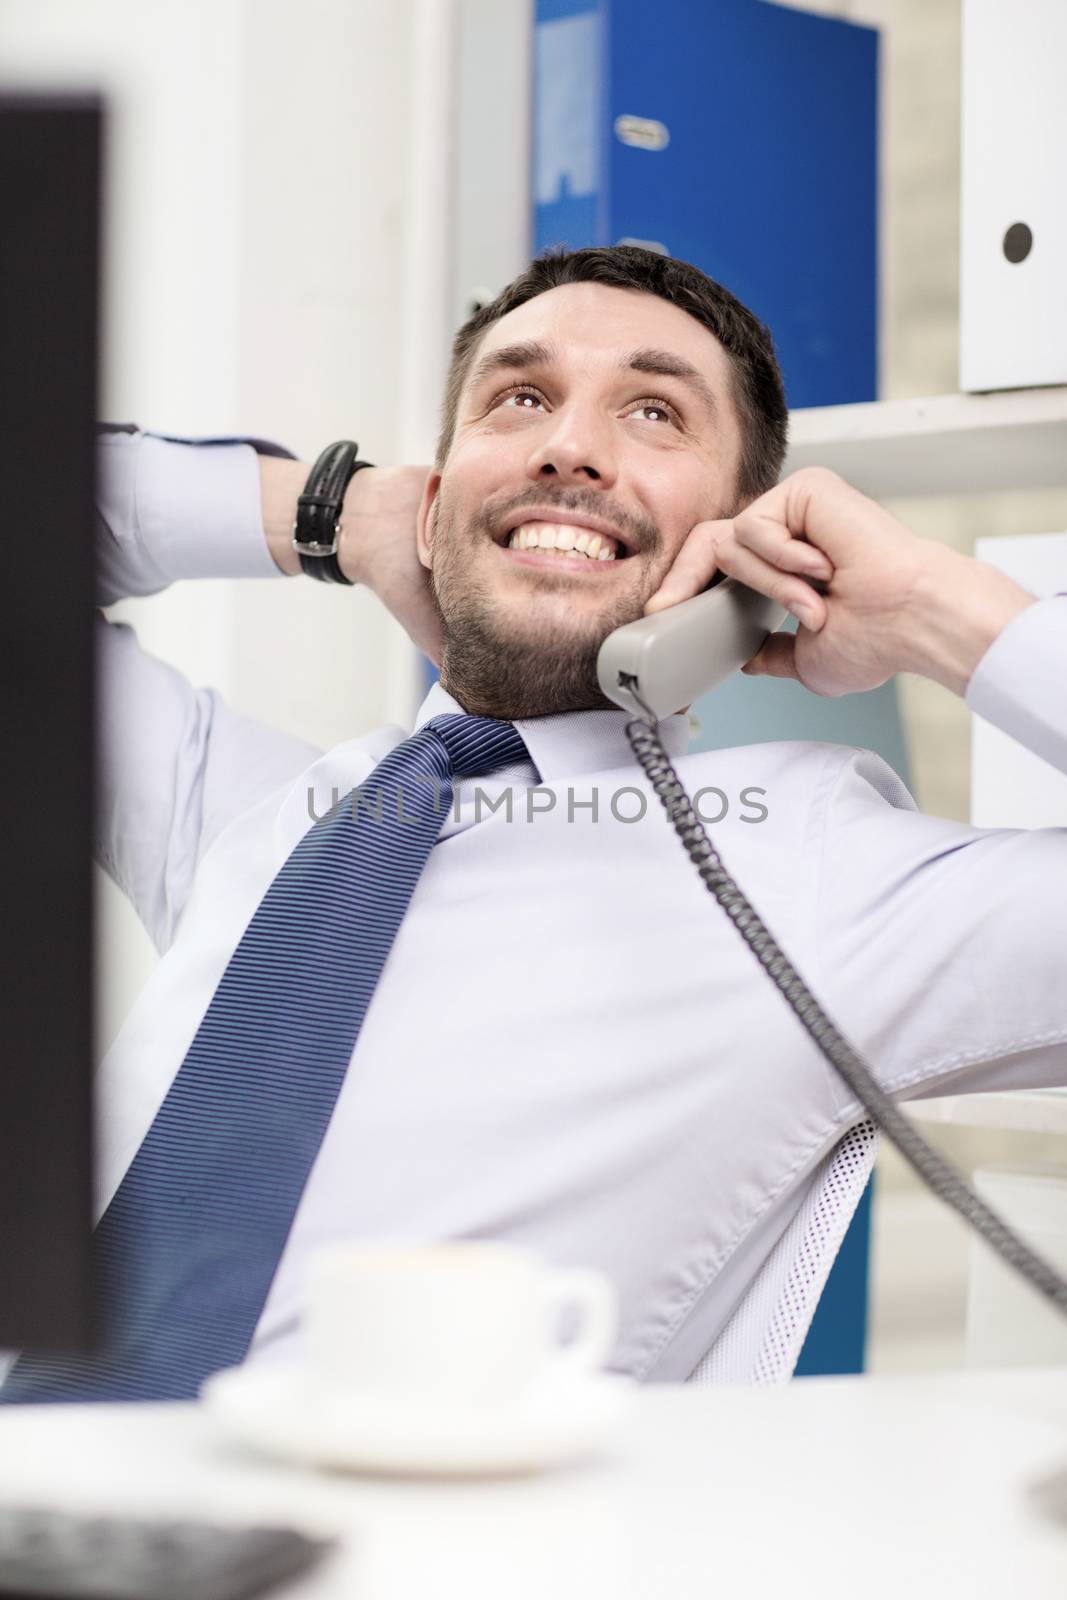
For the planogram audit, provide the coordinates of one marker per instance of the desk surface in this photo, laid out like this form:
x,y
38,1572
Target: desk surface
x,y
827,1487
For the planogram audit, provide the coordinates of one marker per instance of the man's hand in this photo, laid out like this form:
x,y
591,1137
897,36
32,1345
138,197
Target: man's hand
x,y
871,597
377,548
377,544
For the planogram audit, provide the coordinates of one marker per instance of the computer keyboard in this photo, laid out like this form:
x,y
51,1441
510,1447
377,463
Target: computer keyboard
x,y
55,1555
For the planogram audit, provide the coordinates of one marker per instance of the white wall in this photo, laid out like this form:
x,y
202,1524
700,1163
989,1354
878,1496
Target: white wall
x,y
260,198
492,232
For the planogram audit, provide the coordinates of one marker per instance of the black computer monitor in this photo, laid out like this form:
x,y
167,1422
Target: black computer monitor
x,y
49,230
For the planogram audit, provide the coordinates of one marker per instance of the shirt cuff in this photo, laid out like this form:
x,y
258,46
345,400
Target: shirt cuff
x,y
197,509
1019,683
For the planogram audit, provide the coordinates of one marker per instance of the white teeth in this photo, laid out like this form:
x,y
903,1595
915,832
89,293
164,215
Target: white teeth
x,y
558,536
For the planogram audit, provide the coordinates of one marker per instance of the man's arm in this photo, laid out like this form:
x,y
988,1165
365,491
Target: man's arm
x,y
280,484
170,510
941,949
175,763
225,509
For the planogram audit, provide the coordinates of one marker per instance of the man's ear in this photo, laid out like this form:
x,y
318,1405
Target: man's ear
x,y
423,522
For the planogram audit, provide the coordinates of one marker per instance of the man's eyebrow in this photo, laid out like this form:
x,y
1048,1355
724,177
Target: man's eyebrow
x,y
655,363
664,364
509,357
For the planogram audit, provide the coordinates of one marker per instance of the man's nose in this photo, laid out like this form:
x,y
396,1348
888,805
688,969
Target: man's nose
x,y
576,446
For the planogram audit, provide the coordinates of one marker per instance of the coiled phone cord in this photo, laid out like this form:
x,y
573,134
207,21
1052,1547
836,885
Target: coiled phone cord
x,y
932,1168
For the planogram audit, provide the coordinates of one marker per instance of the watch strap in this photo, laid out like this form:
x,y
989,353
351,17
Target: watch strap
x,y
317,529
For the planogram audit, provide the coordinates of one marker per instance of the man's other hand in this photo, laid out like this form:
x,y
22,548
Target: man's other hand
x,y
377,544
377,548
871,598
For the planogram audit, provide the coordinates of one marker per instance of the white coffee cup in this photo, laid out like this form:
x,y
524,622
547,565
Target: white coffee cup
x,y
465,1325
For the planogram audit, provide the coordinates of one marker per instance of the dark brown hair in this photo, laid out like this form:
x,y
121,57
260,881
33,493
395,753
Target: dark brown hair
x,y
758,392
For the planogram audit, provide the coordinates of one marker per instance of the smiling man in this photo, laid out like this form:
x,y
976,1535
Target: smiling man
x,y
588,427
546,1034
587,430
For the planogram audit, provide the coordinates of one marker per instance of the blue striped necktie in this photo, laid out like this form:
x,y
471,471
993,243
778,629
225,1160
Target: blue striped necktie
x,y
186,1251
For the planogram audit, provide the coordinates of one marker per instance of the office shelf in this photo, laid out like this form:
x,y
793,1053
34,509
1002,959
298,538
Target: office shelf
x,y
944,444
1022,1110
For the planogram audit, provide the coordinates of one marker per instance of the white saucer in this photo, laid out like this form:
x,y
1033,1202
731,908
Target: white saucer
x,y
284,1411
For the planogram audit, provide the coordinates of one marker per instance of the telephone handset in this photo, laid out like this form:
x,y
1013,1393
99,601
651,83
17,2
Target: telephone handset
x,y
676,655
659,665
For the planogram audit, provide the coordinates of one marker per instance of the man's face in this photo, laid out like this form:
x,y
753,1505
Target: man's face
x,y
586,410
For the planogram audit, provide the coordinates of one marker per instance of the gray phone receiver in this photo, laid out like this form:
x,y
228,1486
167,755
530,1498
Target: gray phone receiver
x,y
676,655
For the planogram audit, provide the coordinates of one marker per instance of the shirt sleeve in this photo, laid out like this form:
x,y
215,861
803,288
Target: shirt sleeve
x,y
942,948
174,764
170,509
1020,684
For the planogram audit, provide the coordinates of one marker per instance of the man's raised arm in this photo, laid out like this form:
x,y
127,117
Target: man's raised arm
x,y
941,949
170,510
174,509
176,764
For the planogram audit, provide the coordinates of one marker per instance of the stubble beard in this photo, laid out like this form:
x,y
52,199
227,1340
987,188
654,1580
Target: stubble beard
x,y
498,665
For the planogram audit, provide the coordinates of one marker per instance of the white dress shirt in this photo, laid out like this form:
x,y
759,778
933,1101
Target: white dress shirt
x,y
569,1047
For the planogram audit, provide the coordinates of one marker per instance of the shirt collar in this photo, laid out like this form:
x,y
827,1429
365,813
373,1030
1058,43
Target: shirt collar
x,y
572,742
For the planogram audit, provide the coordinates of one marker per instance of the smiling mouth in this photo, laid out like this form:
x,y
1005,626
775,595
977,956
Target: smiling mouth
x,y
565,544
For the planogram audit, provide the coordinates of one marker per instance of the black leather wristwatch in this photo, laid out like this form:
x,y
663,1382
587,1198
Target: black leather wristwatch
x,y
317,528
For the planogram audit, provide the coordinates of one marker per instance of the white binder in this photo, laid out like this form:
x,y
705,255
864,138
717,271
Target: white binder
x,y
1013,237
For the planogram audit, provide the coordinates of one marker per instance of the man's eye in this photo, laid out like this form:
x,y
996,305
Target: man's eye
x,y
520,397
528,399
666,412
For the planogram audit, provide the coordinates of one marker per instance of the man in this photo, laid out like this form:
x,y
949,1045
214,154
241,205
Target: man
x,y
567,1046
